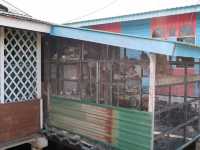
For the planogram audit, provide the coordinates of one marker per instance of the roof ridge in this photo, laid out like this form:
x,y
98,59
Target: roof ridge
x,y
127,17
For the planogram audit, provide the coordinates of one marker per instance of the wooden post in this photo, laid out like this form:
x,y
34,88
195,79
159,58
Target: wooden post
x,y
185,99
38,71
197,145
97,82
38,65
2,64
152,83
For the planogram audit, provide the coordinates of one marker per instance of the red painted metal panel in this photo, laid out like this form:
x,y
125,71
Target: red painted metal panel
x,y
176,22
165,25
112,27
178,90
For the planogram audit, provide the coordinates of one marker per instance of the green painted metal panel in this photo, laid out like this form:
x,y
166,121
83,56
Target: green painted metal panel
x,y
123,129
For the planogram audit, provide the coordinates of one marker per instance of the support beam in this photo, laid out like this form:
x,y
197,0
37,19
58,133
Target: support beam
x,y
152,83
38,65
38,71
2,64
24,23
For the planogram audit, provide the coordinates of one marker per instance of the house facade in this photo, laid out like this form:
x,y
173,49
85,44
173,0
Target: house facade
x,y
101,90
20,82
176,24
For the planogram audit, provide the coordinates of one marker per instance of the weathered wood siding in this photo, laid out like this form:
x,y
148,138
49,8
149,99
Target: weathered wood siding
x,y
18,120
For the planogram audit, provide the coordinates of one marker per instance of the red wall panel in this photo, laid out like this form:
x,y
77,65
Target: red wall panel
x,y
165,26
19,120
176,22
178,90
112,27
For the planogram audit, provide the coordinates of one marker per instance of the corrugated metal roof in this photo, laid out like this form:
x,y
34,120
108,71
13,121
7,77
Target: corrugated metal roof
x,y
12,9
17,19
13,12
9,19
22,17
138,16
128,41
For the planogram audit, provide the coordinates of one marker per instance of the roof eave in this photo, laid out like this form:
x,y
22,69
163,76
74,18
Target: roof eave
x,y
127,41
24,23
137,16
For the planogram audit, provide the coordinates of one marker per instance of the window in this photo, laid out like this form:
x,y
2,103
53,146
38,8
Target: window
x,y
186,30
187,34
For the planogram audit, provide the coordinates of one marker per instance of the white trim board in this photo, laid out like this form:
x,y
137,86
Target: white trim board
x,y
9,21
2,65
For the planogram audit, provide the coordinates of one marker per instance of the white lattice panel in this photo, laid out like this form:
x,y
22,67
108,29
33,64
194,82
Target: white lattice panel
x,y
20,63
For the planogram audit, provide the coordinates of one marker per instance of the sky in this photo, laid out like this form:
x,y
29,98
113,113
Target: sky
x,y
62,11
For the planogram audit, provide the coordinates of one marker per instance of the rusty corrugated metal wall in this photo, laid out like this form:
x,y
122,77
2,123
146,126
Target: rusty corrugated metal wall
x,y
122,128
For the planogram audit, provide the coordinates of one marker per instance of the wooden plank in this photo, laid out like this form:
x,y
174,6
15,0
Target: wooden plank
x,y
19,120
38,65
2,64
152,85
20,23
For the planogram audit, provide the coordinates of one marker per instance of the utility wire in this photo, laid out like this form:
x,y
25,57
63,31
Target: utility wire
x,y
95,11
16,8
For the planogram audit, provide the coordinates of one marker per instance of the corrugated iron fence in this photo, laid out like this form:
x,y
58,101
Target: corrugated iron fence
x,y
122,128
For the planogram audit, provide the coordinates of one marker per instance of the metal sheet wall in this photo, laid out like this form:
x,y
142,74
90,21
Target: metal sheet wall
x,y
123,129
174,26
111,27
197,42
139,28
198,29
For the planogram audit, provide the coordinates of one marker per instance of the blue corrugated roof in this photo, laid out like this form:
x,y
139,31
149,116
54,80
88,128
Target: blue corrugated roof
x,y
138,16
128,41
